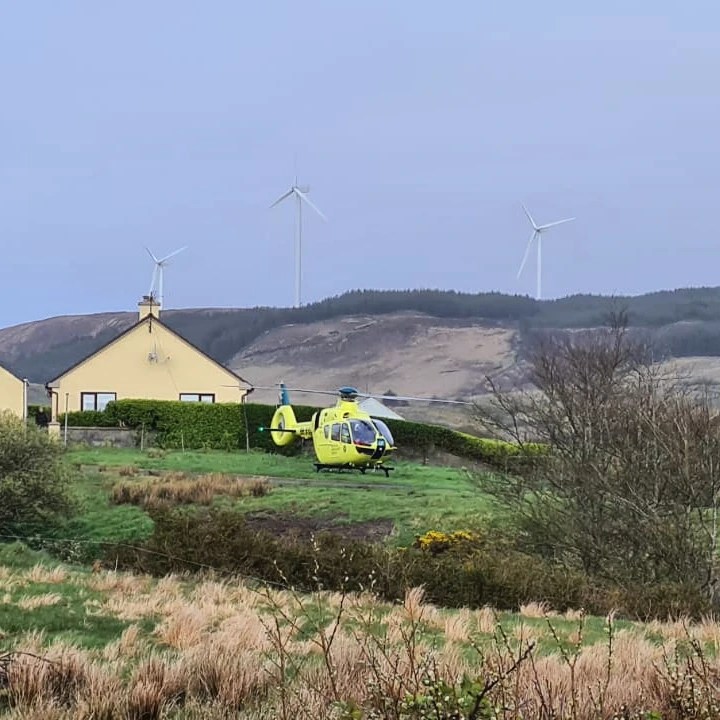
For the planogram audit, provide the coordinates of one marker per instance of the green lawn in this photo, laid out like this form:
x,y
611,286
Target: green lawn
x,y
415,497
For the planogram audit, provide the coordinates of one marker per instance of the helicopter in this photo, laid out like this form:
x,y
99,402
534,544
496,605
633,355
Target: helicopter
x,y
344,436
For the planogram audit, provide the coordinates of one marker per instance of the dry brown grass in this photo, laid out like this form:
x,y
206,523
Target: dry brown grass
x,y
180,489
221,649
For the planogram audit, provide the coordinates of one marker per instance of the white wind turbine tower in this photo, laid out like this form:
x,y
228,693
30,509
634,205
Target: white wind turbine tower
x,y
156,284
300,193
537,232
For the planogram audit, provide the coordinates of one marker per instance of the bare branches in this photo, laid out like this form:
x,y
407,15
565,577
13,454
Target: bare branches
x,y
629,488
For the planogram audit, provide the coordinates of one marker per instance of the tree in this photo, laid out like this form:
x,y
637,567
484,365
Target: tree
x,y
629,487
34,480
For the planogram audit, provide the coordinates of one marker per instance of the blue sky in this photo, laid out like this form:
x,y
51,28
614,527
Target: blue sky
x,y
420,128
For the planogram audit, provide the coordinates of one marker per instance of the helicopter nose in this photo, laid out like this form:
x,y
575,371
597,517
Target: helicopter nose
x,y
379,449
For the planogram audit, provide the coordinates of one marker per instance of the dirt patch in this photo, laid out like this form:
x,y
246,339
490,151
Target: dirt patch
x,y
287,525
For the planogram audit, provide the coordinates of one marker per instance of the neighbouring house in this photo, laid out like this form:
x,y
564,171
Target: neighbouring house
x,y
375,408
13,395
147,361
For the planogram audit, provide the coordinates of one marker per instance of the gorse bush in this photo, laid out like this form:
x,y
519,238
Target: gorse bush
x,y
436,541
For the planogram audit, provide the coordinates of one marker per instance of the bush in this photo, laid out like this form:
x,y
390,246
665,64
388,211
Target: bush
x,y
426,439
34,480
484,572
88,418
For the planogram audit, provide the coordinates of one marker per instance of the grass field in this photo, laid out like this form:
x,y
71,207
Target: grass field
x,y
414,499
82,643
122,645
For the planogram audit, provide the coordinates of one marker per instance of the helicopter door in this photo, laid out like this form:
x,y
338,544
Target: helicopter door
x,y
335,446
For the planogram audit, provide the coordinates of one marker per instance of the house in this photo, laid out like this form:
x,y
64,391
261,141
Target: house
x,y
147,361
13,395
375,408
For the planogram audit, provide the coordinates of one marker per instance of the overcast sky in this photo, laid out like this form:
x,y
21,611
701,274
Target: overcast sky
x,y
419,126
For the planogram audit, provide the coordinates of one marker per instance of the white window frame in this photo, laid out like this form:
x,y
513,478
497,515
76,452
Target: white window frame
x,y
98,404
208,398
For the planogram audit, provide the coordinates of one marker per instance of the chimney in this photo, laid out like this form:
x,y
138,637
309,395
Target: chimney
x,y
148,306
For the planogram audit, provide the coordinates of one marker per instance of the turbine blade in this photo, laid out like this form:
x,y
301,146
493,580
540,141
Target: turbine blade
x,y
529,217
527,253
173,254
282,197
553,224
151,255
304,197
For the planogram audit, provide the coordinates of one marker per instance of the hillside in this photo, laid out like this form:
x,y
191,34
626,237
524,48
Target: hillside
x,y
425,342
406,353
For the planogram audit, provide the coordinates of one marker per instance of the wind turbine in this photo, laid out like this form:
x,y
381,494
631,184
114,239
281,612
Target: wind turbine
x,y
300,193
537,232
157,276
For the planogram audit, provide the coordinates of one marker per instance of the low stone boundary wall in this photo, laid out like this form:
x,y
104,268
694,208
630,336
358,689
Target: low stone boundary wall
x,y
102,437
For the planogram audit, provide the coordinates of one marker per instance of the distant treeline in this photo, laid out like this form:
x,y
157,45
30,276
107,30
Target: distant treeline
x,y
223,333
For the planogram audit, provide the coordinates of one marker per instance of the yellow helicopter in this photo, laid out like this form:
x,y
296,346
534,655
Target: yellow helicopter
x,y
344,436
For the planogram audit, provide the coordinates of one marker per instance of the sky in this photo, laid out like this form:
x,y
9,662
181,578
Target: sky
x,y
420,128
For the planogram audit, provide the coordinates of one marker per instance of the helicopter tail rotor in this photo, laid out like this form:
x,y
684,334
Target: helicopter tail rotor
x,y
284,425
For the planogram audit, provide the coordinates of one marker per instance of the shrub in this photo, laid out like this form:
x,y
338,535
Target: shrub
x,y
436,542
426,439
488,573
34,480
88,418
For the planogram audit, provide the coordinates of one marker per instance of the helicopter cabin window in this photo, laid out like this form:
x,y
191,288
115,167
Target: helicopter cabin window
x,y
96,400
384,431
363,432
326,430
335,435
197,397
345,433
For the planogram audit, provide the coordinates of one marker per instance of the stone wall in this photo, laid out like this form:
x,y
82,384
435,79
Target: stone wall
x,y
102,437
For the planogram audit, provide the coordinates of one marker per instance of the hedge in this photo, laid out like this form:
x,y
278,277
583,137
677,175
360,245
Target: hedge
x,y
175,424
222,426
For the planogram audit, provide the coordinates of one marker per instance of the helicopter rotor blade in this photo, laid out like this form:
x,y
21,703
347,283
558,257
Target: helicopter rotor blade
x,y
415,399
335,393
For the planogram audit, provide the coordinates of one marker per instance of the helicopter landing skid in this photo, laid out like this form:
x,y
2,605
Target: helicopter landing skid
x,y
363,468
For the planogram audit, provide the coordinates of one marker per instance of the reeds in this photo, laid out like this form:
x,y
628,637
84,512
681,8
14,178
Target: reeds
x,y
223,649
181,489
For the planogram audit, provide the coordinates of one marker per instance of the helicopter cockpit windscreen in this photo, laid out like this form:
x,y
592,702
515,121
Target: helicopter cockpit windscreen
x,y
362,432
384,431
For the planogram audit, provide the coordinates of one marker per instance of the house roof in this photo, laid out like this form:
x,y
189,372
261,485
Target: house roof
x,y
147,319
375,408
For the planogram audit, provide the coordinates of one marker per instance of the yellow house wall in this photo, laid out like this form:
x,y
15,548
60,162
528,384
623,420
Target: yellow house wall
x,y
123,367
12,396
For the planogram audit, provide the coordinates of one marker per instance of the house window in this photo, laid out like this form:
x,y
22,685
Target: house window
x,y
197,397
96,400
